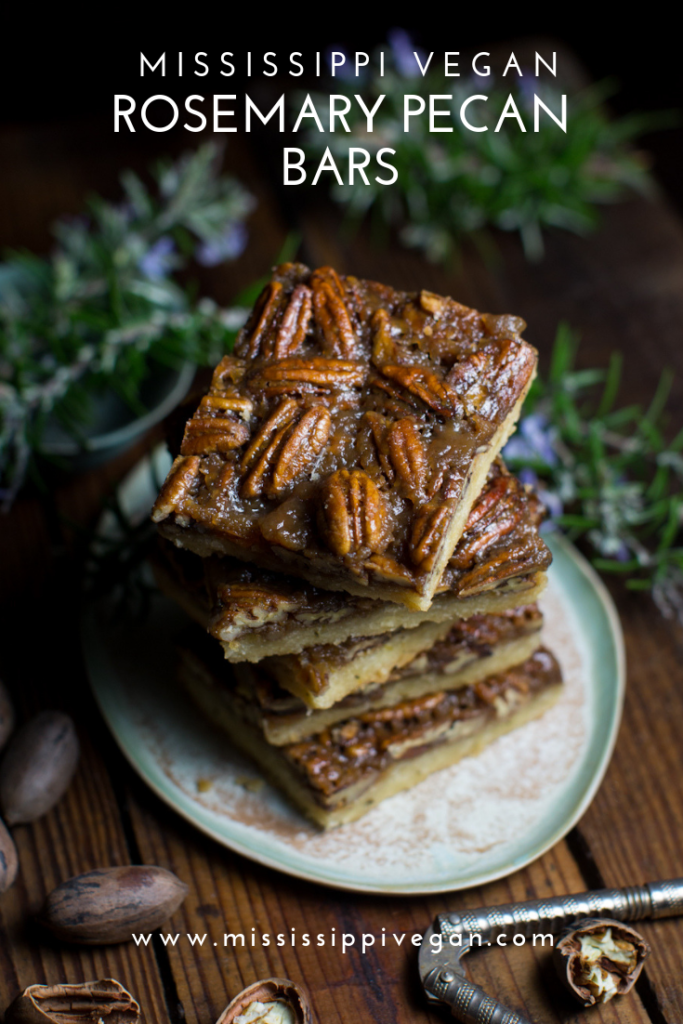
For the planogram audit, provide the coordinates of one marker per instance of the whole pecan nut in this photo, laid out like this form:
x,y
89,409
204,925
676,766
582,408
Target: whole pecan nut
x,y
252,1003
215,434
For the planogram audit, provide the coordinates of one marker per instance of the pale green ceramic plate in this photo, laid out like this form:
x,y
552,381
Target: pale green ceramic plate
x,y
479,820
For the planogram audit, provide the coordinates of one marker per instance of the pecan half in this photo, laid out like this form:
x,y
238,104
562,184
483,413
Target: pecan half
x,y
518,565
266,312
494,516
230,403
285,414
302,447
177,486
428,386
504,368
331,314
290,450
255,483
384,348
230,370
295,323
432,303
409,459
487,501
318,375
372,445
218,434
389,570
429,529
245,606
353,513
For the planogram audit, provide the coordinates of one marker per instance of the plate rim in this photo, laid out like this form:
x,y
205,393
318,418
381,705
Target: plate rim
x,y
236,845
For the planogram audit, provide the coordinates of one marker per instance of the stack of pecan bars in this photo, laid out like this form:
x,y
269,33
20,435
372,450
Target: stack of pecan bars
x,y
340,522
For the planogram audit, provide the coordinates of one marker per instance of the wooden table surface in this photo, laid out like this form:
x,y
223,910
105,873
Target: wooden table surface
x,y
623,288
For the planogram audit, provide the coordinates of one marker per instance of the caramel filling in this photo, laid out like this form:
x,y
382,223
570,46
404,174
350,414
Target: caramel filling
x,y
343,754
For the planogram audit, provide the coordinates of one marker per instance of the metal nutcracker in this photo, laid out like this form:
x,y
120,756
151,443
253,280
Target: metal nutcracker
x,y
443,975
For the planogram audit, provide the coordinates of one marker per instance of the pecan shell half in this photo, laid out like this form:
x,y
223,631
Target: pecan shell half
x,y
90,1002
270,990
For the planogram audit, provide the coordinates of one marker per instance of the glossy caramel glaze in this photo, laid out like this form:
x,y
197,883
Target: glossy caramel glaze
x,y
501,542
343,432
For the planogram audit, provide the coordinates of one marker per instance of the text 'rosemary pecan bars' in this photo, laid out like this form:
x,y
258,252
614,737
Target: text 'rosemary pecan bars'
x,y
348,437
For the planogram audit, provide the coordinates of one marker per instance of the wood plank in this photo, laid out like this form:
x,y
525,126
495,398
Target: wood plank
x,y
45,173
229,894
634,828
41,666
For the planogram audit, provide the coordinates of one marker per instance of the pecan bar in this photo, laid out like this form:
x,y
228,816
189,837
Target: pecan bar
x,y
348,437
340,773
499,562
473,649
325,674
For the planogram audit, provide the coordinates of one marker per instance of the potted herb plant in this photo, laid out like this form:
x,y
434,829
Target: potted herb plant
x,y
99,340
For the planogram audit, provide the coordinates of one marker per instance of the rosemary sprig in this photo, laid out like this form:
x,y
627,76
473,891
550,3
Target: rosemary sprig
x,y
607,474
105,307
461,183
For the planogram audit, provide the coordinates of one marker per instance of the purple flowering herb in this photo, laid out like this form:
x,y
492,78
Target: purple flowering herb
x,y
527,476
552,502
622,554
539,436
159,260
227,246
527,84
127,211
403,50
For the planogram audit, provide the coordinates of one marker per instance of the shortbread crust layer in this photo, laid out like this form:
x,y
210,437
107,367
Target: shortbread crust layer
x,y
340,773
